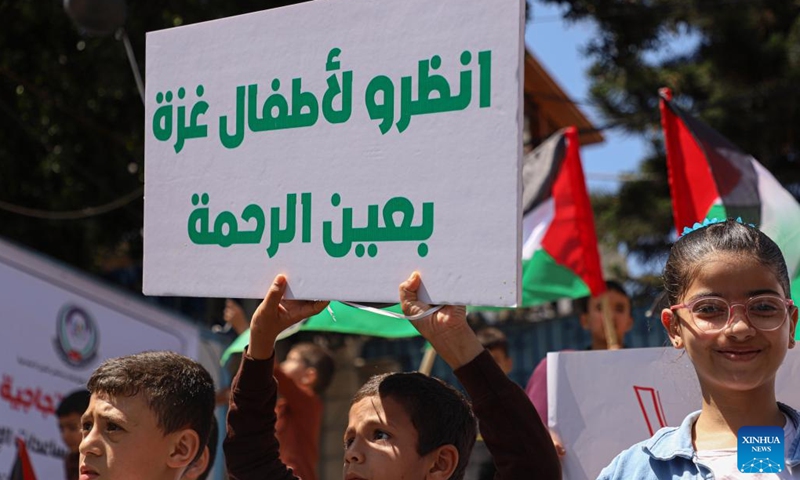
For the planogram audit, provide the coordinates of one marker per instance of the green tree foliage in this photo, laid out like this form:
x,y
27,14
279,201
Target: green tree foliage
x,y
72,125
739,72
646,209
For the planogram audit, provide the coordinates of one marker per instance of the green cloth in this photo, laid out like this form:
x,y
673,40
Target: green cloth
x,y
235,347
340,318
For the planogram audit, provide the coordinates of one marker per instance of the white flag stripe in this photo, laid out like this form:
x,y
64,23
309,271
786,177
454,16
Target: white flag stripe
x,y
535,225
780,217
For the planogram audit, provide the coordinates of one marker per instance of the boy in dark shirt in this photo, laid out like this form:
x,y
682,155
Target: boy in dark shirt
x,y
481,465
400,425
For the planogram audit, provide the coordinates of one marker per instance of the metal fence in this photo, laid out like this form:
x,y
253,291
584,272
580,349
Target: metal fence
x,y
528,343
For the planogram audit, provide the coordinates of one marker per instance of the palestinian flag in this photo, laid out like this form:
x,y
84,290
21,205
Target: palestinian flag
x,y
22,468
709,177
559,253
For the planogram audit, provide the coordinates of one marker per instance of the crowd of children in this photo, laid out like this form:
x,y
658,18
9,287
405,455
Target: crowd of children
x,y
150,415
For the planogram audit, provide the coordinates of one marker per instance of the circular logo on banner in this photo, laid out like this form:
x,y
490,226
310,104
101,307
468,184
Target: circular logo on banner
x,y
76,336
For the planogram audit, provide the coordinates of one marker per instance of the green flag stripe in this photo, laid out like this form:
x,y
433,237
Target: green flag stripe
x,y
717,211
544,280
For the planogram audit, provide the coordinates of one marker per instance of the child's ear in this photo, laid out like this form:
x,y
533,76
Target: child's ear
x,y
444,462
672,324
198,467
184,447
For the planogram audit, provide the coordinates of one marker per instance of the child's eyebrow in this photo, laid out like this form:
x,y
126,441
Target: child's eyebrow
x,y
115,418
369,424
753,293
702,295
112,416
380,424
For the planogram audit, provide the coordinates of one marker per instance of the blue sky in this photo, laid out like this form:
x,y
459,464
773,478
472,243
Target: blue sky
x,y
557,45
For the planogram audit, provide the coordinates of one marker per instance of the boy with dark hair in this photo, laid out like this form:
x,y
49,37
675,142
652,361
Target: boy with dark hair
x,y
590,311
149,417
302,377
69,413
393,427
439,413
314,364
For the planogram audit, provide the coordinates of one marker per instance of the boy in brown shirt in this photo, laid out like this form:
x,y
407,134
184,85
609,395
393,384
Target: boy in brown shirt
x,y
401,425
302,378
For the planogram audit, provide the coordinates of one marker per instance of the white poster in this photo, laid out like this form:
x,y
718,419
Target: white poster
x,y
58,326
343,142
602,402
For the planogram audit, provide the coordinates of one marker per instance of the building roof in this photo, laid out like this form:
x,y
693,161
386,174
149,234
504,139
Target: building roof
x,y
554,103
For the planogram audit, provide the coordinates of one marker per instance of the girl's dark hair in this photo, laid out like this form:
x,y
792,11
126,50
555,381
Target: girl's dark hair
x,y
687,255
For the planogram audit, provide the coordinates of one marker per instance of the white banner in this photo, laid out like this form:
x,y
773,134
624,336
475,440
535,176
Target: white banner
x,y
58,326
602,402
343,142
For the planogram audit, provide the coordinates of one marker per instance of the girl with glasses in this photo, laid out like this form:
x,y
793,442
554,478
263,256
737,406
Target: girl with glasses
x,y
728,285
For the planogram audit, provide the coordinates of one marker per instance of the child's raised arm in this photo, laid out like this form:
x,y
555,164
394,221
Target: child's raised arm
x,y
518,441
251,450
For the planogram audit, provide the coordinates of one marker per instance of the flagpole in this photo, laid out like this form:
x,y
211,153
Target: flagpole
x,y
612,342
426,365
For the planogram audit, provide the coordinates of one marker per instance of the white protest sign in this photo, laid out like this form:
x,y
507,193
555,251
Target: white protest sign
x,y
602,402
343,142
58,326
